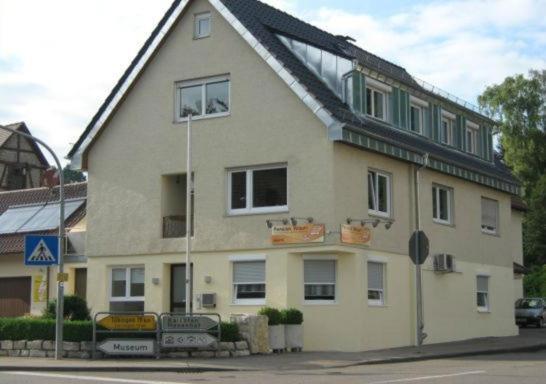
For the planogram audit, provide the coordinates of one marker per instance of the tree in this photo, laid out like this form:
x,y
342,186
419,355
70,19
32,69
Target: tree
x,y
71,176
519,103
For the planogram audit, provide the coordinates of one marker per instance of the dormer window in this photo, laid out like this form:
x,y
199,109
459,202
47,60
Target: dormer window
x,y
471,138
202,25
448,124
375,103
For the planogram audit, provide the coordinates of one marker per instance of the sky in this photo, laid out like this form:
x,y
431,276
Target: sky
x,y
59,59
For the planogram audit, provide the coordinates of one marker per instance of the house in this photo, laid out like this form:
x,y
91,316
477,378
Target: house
x,y
26,290
22,163
291,122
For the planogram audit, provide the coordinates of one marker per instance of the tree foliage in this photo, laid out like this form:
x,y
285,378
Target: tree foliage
x,y
534,284
519,103
72,176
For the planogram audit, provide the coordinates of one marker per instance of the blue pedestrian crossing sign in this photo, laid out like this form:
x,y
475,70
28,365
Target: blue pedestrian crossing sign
x,y
41,250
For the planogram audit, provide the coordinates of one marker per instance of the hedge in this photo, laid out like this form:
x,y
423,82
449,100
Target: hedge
x,y
292,316
44,329
274,316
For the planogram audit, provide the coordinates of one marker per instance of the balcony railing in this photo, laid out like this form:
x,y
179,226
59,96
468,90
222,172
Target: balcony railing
x,y
174,226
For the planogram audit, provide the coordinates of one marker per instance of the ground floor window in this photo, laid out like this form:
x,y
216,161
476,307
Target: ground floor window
x,y
376,290
482,293
127,289
319,280
249,282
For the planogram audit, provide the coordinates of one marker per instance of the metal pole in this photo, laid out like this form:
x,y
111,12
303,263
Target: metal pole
x,y
60,284
420,335
188,218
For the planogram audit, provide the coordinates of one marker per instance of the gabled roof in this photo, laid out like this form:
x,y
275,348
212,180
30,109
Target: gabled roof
x,y
22,127
259,24
14,243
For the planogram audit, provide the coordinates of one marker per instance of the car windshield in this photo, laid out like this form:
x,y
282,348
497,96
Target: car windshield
x,y
528,303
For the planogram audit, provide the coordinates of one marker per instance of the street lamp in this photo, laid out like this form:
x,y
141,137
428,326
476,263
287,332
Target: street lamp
x,y
60,284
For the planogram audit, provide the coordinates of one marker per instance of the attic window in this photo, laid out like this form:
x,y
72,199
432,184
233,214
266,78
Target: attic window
x,y
202,25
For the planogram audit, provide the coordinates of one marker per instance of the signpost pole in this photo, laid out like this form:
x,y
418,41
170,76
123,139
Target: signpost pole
x,y
418,278
189,187
60,284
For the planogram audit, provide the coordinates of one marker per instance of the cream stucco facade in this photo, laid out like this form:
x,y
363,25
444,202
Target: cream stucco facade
x,y
268,124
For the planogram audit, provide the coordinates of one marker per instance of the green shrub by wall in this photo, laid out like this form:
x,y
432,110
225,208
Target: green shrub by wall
x,y
75,308
274,316
230,332
292,316
43,329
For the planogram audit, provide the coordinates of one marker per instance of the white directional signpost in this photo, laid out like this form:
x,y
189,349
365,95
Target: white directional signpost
x,y
190,331
175,322
132,347
187,340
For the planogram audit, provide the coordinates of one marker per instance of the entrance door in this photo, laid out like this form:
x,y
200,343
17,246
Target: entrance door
x,y
178,287
14,296
80,288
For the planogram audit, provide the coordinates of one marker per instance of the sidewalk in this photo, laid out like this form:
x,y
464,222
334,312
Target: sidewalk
x,y
528,340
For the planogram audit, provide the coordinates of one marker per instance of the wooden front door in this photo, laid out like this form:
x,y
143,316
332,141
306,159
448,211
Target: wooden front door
x,y
14,296
80,288
178,287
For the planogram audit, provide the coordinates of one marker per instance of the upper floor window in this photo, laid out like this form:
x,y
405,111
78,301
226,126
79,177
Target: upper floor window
x,y
441,204
490,213
257,190
447,131
379,190
202,25
203,98
375,103
416,118
471,139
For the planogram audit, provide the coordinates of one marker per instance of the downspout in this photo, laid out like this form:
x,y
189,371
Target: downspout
x,y
420,325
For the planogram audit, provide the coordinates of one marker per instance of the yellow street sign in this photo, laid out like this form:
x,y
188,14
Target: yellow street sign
x,y
62,277
129,322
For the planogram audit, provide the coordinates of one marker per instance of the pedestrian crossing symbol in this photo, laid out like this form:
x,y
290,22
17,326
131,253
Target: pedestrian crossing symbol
x,y
41,250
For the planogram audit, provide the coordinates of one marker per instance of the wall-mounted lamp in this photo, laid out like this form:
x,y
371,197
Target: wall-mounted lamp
x,y
373,222
294,220
271,222
208,279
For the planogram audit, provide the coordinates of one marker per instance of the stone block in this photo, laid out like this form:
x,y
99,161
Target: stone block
x,y
48,345
20,344
240,345
255,331
222,354
202,354
71,346
227,346
86,346
14,353
37,353
6,344
35,344
78,355
240,353
177,355
25,353
3,352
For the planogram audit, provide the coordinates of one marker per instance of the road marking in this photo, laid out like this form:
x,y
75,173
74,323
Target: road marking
x,y
91,378
428,377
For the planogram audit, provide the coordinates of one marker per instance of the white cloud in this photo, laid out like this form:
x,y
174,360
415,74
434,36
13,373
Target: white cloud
x,y
59,59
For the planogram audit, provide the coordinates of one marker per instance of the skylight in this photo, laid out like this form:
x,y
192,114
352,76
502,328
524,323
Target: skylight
x,y
33,218
330,68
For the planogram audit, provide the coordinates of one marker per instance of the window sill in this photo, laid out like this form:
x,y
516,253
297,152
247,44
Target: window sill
x,y
483,310
253,213
201,37
441,222
379,214
201,117
319,302
489,233
249,302
375,304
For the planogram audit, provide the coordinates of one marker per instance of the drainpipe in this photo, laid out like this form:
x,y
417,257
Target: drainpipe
x,y
420,325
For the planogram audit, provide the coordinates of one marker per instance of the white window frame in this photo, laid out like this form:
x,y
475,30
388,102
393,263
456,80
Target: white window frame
x,y
485,230
372,112
336,267
127,296
198,17
248,210
237,301
376,212
471,147
203,83
487,307
381,301
449,138
436,196
421,118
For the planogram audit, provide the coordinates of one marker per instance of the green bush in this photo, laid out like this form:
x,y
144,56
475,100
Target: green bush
x,y
230,332
292,316
75,308
43,329
273,315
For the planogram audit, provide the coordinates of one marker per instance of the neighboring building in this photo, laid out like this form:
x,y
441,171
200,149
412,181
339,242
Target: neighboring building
x,y
291,121
22,163
26,290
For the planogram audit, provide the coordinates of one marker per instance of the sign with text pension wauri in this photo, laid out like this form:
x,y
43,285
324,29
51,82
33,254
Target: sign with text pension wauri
x,y
355,234
129,322
297,234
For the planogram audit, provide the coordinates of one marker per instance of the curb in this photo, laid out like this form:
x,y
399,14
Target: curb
x,y
115,369
394,360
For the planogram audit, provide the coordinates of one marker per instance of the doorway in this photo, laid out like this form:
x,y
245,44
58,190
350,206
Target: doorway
x,y
178,288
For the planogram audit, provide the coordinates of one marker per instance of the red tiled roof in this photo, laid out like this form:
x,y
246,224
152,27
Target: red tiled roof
x,y
14,243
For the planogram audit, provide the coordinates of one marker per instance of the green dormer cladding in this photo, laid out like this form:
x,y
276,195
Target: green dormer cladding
x,y
429,118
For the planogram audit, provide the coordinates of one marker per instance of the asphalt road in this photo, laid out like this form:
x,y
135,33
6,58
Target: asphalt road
x,y
520,368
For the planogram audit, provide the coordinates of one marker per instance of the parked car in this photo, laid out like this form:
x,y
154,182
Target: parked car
x,y
531,311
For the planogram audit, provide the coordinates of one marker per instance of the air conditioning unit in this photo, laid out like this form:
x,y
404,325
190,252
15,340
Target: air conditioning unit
x,y
444,263
208,300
